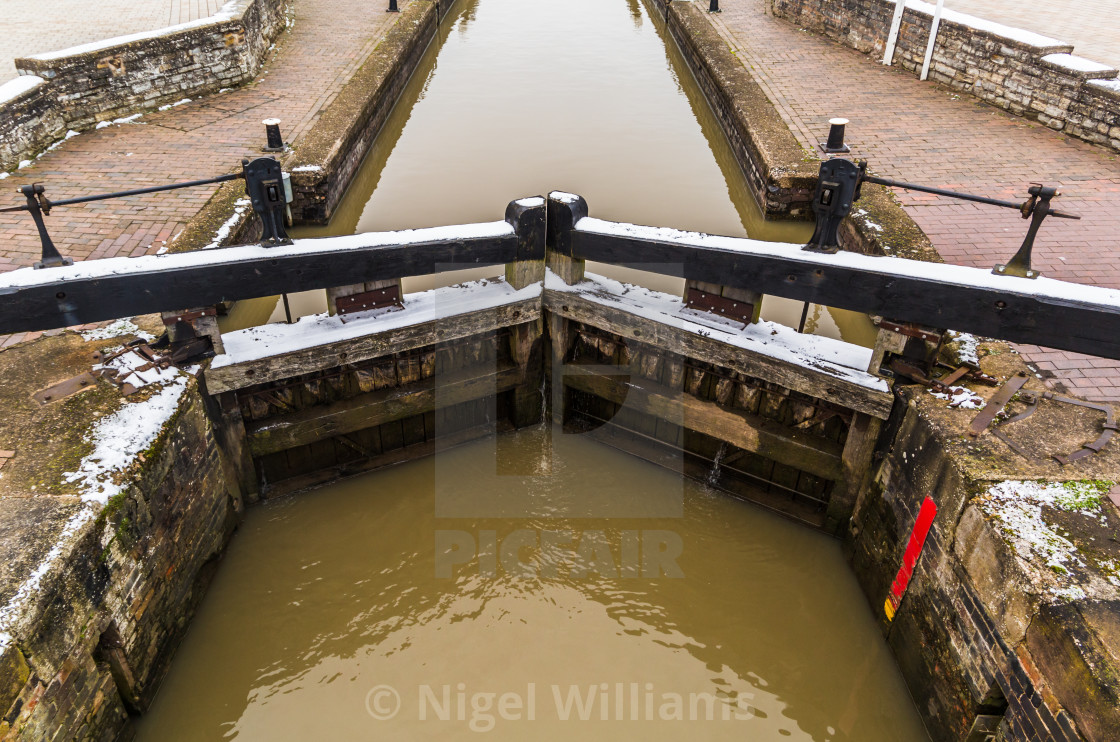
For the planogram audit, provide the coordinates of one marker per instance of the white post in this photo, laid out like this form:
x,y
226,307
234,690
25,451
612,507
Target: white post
x,y
892,39
932,37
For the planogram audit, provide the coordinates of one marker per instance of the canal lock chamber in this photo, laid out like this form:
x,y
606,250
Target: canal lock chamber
x,y
533,409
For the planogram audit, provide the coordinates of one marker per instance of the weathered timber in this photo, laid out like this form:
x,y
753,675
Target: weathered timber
x,y
230,430
527,401
674,340
954,297
166,282
376,408
812,454
527,216
564,210
695,466
859,447
559,344
396,340
392,457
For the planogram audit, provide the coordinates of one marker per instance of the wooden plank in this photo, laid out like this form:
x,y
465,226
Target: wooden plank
x,y
388,458
170,282
698,469
961,298
681,342
377,408
859,450
373,345
766,438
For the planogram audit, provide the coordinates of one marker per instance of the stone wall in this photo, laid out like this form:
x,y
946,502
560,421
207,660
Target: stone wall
x,y
29,119
94,642
118,77
983,642
1027,74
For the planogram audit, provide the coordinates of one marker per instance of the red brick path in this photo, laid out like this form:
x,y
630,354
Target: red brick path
x,y
326,44
925,133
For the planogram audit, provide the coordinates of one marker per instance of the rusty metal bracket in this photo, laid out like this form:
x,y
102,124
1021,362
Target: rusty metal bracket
x,y
174,319
1108,428
64,388
911,330
998,401
390,296
740,311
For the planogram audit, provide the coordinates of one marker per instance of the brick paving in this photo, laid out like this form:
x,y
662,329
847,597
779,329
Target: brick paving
x,y
34,28
208,137
1092,26
926,133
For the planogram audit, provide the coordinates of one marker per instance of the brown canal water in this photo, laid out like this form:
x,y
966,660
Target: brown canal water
x,y
521,98
616,600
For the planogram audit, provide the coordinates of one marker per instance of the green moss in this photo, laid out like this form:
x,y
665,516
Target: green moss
x,y
1083,495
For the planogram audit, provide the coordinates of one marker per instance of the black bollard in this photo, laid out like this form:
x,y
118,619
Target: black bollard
x,y
835,141
272,132
393,7
713,7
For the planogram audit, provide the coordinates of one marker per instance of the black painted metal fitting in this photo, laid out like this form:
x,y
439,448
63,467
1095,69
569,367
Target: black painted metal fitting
x,y
272,132
713,7
392,7
835,143
264,184
38,204
837,189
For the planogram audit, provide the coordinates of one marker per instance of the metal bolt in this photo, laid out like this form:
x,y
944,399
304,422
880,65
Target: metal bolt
x,y
835,141
393,7
272,131
713,7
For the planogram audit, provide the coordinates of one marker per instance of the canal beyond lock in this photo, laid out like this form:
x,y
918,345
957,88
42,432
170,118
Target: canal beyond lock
x,y
619,600
584,96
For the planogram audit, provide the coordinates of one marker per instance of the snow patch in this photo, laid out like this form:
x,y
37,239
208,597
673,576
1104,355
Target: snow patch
x,y
307,169
968,347
116,329
1107,84
1076,63
564,198
324,247
889,268
173,105
321,329
867,221
223,231
833,357
1018,506
13,89
961,398
120,437
129,369
122,120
